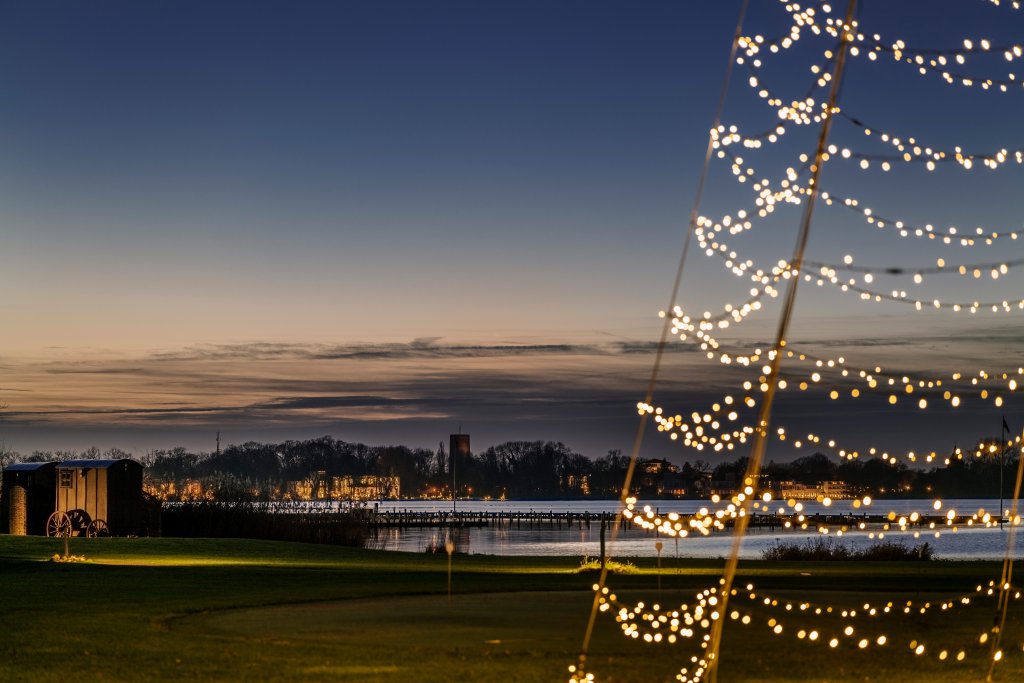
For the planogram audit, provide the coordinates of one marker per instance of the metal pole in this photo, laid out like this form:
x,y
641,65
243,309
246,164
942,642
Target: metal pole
x,y
658,546
1002,454
449,547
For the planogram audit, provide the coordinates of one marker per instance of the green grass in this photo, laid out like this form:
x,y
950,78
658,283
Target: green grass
x,y
228,610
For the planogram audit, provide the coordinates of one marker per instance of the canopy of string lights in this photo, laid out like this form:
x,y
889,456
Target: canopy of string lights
x,y
796,77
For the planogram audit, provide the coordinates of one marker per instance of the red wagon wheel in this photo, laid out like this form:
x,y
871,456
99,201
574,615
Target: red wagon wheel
x,y
79,521
59,524
97,529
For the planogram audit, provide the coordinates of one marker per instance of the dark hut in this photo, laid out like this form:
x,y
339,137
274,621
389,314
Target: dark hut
x,y
99,497
26,497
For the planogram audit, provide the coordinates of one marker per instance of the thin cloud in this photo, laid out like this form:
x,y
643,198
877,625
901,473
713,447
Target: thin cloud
x,y
94,370
419,349
558,390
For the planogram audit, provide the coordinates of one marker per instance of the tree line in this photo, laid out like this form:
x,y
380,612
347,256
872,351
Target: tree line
x,y
530,469
514,469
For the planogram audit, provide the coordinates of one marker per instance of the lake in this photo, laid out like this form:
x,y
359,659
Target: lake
x,y
965,543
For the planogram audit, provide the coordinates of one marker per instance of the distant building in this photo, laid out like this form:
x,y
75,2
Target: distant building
x,y
700,485
299,490
794,490
576,482
659,477
188,490
366,487
721,487
837,490
655,466
673,485
321,485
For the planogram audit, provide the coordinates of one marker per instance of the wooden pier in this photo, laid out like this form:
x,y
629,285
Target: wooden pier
x,y
535,519
512,520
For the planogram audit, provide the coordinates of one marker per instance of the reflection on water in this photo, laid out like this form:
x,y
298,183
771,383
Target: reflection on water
x,y
584,540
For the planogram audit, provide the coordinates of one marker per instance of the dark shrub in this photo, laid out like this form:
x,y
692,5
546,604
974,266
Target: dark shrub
x,y
828,549
265,522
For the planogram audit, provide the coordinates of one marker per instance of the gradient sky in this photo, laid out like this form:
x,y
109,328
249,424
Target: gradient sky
x,y
380,220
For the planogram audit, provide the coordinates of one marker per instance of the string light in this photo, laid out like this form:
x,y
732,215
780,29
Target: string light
x,y
895,384
939,62
911,151
829,275
768,199
698,435
1013,4
719,427
867,610
789,516
872,379
994,270
655,625
828,272
800,111
875,377
924,60
952,235
908,150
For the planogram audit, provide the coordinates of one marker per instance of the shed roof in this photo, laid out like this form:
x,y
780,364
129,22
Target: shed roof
x,y
27,466
97,464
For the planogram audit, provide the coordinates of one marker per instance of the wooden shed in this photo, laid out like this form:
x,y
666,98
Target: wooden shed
x,y
98,498
26,497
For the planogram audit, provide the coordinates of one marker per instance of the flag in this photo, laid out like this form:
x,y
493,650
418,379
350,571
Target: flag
x,y
1006,427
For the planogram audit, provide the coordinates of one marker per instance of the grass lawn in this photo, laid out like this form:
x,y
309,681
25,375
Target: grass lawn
x,y
227,610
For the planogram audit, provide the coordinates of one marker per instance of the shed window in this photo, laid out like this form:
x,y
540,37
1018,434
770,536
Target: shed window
x,y
65,479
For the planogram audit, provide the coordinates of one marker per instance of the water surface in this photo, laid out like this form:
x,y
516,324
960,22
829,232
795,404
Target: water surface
x,y
965,543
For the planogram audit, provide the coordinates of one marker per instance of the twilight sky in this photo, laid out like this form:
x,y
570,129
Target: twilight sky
x,y
379,220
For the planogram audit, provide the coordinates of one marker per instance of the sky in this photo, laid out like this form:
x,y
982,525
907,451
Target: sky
x,y
386,221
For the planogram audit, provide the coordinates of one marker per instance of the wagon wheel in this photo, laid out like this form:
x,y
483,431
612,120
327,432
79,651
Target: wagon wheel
x,y
97,529
59,524
79,521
